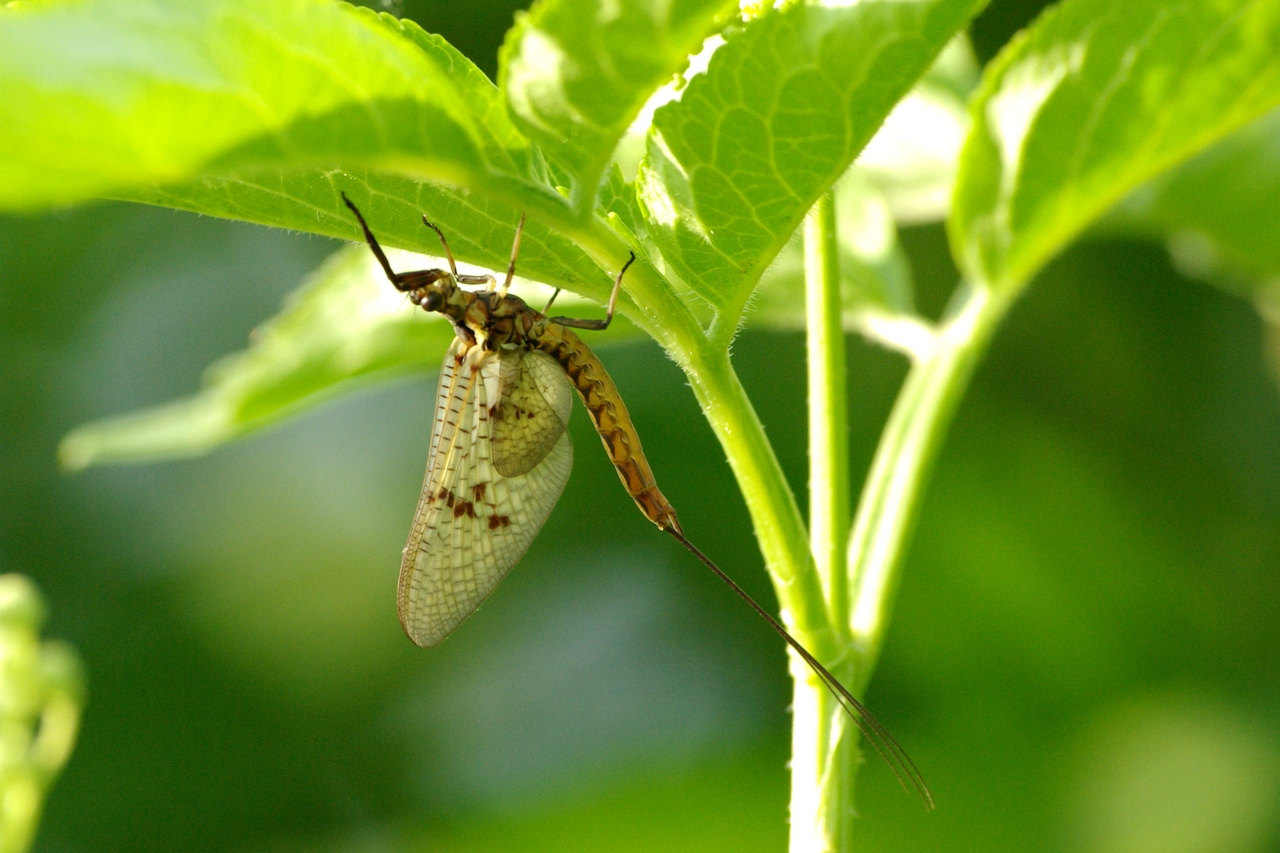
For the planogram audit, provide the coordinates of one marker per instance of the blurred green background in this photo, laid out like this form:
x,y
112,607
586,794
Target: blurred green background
x,y
1083,658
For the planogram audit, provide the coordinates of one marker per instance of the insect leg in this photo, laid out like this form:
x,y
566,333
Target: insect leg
x,y
453,268
478,279
515,250
597,325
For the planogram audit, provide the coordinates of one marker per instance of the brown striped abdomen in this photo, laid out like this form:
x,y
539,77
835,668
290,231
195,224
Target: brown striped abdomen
x,y
611,419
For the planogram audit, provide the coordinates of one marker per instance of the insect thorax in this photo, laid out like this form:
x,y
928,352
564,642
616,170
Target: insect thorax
x,y
493,320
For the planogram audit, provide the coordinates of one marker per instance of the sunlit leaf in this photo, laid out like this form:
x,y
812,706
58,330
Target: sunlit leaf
x,y
785,105
265,112
577,72
912,159
875,274
1219,210
479,227
1218,214
107,96
1096,99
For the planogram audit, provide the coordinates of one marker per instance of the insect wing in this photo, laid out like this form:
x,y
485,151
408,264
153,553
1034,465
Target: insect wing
x,y
536,401
475,522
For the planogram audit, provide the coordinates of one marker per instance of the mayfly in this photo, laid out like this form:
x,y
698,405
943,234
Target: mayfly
x,y
500,456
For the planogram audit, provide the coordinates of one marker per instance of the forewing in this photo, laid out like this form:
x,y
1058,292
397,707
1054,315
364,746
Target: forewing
x,y
536,401
473,523
449,399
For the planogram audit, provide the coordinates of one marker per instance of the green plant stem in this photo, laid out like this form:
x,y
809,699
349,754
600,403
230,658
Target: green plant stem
x,y
779,527
775,515
829,501
824,765
824,740
823,744
908,446
839,616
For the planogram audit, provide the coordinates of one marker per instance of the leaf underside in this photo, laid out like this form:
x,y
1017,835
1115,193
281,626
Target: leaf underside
x,y
1096,99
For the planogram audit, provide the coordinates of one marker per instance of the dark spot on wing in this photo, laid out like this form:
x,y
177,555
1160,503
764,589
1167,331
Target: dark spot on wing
x,y
478,490
496,521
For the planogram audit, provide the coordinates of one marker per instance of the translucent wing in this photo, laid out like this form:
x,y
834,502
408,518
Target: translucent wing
x,y
536,401
499,458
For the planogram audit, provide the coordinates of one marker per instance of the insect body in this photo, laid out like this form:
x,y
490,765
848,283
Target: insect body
x,y
500,456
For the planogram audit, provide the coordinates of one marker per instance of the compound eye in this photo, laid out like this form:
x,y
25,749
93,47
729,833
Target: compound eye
x,y
432,301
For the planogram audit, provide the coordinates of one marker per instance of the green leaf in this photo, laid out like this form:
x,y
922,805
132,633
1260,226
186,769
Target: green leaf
x,y
265,113
479,227
577,72
344,328
1219,210
912,159
618,197
875,276
786,103
1218,214
505,147
109,97
1097,98
872,259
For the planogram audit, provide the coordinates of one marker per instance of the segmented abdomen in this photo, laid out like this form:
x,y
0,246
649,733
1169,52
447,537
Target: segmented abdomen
x,y
611,419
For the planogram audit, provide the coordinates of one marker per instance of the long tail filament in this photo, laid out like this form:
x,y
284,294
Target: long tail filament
x,y
894,755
